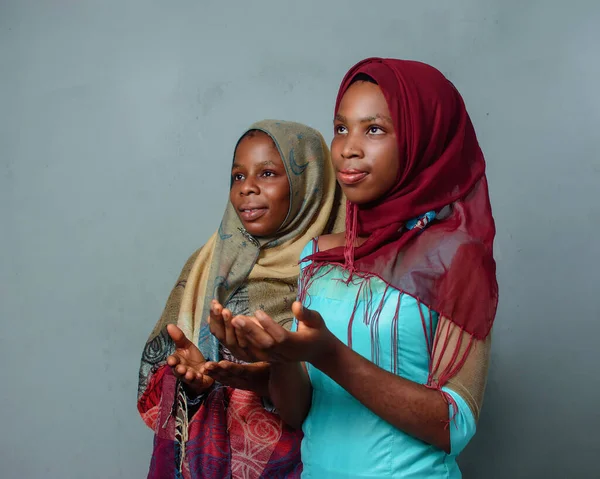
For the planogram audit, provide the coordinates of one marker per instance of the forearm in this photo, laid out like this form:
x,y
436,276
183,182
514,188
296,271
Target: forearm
x,y
410,407
257,378
291,392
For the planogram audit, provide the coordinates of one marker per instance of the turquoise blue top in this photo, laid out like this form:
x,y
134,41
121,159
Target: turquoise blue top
x,y
344,439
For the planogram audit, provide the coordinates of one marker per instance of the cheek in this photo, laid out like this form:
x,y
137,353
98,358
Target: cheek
x,y
336,154
385,172
279,198
336,146
284,190
389,162
284,202
394,168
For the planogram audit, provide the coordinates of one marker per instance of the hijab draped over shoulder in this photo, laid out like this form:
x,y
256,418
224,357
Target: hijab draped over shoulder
x,y
259,273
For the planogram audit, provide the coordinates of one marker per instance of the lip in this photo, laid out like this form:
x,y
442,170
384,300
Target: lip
x,y
252,213
351,177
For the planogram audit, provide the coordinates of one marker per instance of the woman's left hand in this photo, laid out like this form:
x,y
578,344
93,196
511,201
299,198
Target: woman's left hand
x,y
250,377
268,341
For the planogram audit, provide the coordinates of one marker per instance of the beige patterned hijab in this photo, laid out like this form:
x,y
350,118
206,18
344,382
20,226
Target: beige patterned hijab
x,y
265,268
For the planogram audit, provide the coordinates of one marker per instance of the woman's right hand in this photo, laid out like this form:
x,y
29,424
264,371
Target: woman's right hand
x,y
187,361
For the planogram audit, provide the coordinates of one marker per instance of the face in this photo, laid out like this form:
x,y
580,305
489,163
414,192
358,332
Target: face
x,y
364,150
260,191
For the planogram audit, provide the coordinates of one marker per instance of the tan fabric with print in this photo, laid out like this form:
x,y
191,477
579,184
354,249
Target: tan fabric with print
x,y
267,266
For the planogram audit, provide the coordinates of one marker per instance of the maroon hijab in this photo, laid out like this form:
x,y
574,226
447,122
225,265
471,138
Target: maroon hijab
x,y
448,265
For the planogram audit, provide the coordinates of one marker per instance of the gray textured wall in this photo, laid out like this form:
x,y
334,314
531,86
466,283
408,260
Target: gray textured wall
x,y
117,122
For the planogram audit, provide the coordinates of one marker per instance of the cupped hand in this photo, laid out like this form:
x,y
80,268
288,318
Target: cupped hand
x,y
187,362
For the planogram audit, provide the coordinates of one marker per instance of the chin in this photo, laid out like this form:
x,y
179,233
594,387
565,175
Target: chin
x,y
256,230
357,198
252,229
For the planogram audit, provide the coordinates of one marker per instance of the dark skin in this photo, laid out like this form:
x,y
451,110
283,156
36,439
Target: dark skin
x,y
409,406
260,190
260,194
364,145
198,375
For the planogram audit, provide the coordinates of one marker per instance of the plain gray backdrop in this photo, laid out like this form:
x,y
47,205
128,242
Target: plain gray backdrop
x,y
117,123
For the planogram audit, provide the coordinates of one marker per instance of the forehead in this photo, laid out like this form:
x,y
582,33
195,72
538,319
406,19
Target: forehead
x,y
257,149
364,99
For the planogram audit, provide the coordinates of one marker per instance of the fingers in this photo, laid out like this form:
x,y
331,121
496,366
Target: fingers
x,y
191,375
198,383
307,316
297,309
226,372
180,372
185,351
215,320
240,338
182,369
271,327
181,342
192,378
230,336
173,360
253,332
237,342
222,369
185,373
208,367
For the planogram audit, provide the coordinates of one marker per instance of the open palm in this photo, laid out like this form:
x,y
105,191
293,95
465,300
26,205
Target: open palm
x,y
187,361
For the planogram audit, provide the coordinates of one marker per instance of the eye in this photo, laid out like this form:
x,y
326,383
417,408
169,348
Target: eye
x,y
237,177
340,130
268,173
375,130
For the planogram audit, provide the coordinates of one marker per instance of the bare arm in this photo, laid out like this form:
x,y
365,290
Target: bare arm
x,y
410,407
291,392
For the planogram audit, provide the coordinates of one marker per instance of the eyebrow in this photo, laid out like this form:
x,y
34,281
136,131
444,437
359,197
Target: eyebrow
x,y
268,163
264,163
365,119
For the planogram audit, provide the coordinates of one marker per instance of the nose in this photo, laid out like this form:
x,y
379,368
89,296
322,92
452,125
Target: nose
x,y
351,147
249,186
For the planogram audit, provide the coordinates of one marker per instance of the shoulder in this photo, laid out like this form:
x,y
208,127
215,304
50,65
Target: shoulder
x,y
331,241
205,249
187,268
320,244
309,249
191,260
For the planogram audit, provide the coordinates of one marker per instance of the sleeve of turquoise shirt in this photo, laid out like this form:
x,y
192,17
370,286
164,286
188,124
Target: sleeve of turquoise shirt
x,y
463,425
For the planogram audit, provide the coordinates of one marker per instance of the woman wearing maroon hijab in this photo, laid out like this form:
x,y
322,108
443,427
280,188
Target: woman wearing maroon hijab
x,y
386,370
